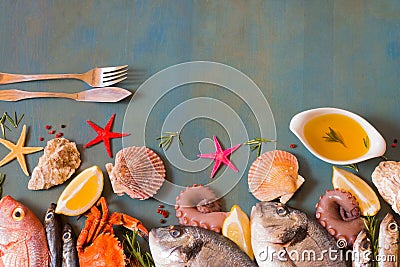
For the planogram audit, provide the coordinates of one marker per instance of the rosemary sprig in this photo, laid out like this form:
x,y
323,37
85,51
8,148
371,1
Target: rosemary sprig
x,y
366,142
2,177
334,137
166,139
384,158
256,143
132,247
371,224
10,120
14,122
352,166
16,119
3,126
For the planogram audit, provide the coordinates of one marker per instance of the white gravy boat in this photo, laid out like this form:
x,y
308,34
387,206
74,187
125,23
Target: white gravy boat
x,y
377,143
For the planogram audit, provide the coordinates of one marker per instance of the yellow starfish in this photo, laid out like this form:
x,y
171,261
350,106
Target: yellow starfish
x,y
18,151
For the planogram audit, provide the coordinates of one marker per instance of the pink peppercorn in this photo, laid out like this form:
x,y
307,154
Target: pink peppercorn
x,y
165,214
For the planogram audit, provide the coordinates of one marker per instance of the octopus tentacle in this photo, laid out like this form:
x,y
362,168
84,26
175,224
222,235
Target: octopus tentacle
x,y
198,206
339,213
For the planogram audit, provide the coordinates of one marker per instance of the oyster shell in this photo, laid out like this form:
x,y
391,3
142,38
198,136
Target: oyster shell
x,y
60,160
138,171
386,178
274,174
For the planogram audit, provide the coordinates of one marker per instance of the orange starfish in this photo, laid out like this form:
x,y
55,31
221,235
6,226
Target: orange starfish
x,y
18,151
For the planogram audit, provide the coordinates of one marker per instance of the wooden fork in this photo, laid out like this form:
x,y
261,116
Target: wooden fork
x,y
97,77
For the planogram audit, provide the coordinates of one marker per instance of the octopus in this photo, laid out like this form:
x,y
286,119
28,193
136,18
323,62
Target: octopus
x,y
386,178
60,160
339,213
197,205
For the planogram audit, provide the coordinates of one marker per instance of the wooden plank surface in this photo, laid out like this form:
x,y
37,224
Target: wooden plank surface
x,y
301,54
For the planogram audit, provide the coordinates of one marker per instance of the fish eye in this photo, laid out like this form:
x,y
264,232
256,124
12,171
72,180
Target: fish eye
x,y
49,216
174,233
18,214
281,211
392,226
366,245
67,236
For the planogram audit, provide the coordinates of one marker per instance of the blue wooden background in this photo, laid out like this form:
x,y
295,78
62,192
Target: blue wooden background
x,y
301,54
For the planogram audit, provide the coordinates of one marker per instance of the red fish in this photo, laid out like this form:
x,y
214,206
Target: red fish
x,y
22,237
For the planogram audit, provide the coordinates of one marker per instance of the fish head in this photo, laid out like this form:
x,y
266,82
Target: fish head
x,y
15,216
273,222
362,249
68,233
50,213
390,223
173,246
363,241
390,227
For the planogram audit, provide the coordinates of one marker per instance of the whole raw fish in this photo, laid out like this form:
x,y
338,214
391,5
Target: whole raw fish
x,y
53,229
388,242
362,250
22,237
179,246
69,252
282,236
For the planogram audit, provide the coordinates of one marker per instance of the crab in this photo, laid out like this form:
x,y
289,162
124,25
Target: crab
x,y
97,245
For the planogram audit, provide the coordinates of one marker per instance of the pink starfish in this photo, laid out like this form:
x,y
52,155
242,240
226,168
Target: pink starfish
x,y
220,156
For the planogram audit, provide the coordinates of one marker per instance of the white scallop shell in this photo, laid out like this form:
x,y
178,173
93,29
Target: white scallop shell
x,y
274,174
139,172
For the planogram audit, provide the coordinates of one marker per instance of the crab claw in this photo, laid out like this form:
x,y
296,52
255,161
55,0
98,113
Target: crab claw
x,y
129,222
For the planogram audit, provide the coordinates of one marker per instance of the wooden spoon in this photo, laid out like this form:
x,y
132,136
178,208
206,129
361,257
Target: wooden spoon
x,y
101,94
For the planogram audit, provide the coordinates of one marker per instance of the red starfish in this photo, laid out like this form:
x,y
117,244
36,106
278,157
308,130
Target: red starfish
x,y
104,135
220,156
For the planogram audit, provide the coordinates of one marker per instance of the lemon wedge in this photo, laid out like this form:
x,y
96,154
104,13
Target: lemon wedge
x,y
236,227
365,195
81,193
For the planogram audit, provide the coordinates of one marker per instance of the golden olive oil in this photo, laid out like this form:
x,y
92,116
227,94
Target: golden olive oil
x,y
336,137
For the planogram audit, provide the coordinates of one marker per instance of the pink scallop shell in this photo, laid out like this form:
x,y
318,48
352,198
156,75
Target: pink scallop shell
x,y
139,172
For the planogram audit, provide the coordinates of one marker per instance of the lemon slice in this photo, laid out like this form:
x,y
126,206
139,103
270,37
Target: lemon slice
x,y
81,193
365,195
236,227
